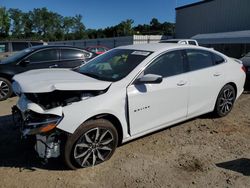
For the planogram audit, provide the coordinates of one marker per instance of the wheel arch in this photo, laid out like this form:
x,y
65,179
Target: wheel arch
x,y
114,120
233,85
6,76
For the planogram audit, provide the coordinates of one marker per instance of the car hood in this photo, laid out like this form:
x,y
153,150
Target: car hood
x,y
48,80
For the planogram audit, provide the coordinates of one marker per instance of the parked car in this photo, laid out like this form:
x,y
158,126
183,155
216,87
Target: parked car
x,y
38,57
121,95
246,63
8,48
181,41
97,49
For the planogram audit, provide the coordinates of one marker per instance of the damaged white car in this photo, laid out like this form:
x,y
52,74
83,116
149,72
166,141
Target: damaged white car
x,y
128,92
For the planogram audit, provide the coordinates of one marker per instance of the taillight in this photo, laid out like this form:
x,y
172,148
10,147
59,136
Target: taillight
x,y
244,68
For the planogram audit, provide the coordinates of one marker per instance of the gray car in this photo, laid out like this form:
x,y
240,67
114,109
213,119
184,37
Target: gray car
x,y
246,63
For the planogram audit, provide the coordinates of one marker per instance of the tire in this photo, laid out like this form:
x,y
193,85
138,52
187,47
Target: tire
x,y
225,101
92,143
5,89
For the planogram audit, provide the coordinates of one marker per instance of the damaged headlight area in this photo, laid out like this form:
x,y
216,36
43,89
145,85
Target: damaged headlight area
x,y
43,127
32,123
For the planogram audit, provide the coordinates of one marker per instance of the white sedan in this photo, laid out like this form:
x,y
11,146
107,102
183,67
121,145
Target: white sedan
x,y
130,91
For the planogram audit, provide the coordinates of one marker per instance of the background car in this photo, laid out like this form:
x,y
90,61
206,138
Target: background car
x,y
8,48
181,41
36,58
246,62
97,49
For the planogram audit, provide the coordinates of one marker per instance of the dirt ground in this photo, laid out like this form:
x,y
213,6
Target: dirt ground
x,y
203,152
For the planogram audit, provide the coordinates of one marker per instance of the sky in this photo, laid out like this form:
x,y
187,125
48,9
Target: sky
x,y
104,13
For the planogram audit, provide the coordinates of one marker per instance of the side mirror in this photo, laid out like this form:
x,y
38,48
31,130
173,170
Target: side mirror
x,y
24,63
149,79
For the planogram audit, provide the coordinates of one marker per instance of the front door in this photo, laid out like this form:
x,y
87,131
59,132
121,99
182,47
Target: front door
x,y
152,106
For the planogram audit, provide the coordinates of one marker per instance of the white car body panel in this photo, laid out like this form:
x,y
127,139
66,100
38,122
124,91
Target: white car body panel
x,y
179,98
48,80
150,105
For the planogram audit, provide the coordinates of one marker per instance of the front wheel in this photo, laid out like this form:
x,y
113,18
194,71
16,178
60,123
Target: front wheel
x,y
225,101
92,143
5,89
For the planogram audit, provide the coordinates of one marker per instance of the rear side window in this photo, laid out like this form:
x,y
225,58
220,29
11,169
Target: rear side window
x,y
199,59
169,64
218,59
72,54
18,46
3,47
44,55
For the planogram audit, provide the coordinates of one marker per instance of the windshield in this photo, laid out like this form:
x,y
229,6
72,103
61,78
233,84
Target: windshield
x,y
14,57
114,65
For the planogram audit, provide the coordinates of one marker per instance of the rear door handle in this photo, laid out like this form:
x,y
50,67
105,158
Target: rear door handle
x,y
53,66
217,74
182,83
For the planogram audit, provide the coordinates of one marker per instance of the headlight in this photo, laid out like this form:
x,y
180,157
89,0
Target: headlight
x,y
40,123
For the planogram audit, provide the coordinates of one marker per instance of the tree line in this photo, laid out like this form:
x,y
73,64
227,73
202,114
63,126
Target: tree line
x,y
42,24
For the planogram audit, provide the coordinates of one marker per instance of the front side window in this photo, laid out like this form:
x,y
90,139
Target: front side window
x,y
44,55
199,59
72,54
169,64
113,65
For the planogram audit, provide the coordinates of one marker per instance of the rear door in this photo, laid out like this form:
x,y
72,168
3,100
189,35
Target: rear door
x,y
206,80
71,58
153,105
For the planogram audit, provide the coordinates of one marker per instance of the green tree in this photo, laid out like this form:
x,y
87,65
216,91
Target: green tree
x,y
27,25
79,28
4,23
17,26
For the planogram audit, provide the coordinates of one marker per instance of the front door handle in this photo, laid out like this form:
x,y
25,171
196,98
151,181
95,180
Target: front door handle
x,y
182,83
53,66
217,74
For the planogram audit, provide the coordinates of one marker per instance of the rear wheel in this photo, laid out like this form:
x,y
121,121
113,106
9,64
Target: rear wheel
x,y
5,89
225,101
93,143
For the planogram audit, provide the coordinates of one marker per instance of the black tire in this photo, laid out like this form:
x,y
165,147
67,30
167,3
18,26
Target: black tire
x,y
94,150
225,101
5,89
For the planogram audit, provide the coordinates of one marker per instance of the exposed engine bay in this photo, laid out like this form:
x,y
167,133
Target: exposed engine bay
x,y
60,98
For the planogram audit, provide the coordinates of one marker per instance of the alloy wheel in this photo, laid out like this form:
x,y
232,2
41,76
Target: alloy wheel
x,y
4,89
94,147
226,101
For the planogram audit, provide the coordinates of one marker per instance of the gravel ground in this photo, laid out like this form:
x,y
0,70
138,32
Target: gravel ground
x,y
202,152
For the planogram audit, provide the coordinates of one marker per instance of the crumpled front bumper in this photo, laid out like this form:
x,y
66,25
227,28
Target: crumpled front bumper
x,y
47,143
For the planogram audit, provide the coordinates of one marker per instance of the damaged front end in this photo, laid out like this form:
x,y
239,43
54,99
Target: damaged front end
x,y
38,115
32,120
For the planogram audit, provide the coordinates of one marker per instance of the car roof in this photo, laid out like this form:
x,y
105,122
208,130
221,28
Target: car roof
x,y
153,47
38,47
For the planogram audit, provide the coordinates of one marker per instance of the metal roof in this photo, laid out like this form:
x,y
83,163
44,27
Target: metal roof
x,y
224,38
193,4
